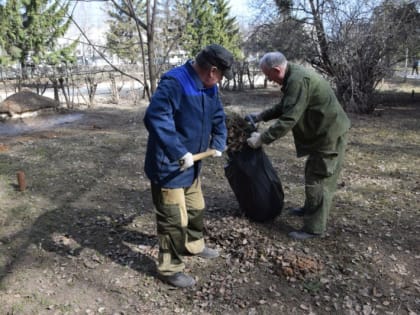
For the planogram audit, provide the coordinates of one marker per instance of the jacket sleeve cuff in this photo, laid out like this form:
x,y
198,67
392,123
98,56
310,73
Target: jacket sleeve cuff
x,y
266,138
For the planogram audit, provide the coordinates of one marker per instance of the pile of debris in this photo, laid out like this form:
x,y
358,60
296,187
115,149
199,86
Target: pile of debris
x,y
238,131
294,265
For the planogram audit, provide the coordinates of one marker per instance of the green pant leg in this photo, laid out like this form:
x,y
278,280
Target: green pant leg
x,y
321,174
195,209
171,218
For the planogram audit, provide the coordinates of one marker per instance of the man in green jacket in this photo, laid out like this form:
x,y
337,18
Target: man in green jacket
x,y
319,124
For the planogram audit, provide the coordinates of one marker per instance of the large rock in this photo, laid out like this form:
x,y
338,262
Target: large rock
x,y
25,103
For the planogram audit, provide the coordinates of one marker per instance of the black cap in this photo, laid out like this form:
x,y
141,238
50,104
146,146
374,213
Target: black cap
x,y
219,57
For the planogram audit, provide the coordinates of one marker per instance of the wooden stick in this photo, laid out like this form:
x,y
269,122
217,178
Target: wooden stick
x,y
203,155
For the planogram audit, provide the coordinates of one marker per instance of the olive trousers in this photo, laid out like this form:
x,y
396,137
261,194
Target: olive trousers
x,y
321,174
179,216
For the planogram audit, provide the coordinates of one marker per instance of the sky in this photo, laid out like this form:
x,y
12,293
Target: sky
x,y
240,9
92,14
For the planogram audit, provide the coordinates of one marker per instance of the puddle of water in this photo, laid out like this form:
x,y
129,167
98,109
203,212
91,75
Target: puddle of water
x,y
27,125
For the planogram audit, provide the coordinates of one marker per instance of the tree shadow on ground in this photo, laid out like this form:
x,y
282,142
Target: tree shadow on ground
x,y
69,231
68,228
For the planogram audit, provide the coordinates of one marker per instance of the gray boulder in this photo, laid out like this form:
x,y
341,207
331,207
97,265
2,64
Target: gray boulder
x,y
25,104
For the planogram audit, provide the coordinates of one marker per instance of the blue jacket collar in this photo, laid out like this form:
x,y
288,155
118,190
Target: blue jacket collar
x,y
194,75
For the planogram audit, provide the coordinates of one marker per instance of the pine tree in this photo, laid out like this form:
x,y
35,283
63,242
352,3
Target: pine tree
x,y
11,32
3,57
211,24
226,27
31,30
122,37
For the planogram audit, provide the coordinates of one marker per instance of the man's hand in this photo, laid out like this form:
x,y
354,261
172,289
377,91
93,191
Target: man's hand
x,y
255,140
217,154
186,161
253,118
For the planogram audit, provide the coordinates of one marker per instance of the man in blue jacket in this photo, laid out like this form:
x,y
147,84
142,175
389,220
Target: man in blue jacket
x,y
185,117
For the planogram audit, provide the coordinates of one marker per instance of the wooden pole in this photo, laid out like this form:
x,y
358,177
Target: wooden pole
x,y
21,180
203,155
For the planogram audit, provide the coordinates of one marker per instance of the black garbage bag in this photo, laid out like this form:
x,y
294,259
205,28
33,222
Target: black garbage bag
x,y
255,184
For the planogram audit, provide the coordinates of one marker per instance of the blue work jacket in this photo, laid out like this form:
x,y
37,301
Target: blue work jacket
x,y
183,116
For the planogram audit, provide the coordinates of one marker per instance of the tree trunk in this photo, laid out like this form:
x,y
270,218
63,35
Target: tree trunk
x,y
63,89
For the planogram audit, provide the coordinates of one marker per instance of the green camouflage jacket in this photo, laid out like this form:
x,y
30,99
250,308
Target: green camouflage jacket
x,y
310,108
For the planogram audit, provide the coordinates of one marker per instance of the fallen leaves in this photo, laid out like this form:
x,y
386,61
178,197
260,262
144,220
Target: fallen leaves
x,y
86,244
298,265
238,131
4,147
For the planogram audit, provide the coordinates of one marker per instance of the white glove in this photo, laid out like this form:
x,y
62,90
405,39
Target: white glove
x,y
217,154
255,140
186,161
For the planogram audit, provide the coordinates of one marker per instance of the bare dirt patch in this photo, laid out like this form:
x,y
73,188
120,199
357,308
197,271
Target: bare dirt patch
x,y
81,238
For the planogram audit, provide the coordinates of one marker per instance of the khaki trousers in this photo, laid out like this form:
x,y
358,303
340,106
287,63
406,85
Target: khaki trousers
x,y
321,174
179,216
